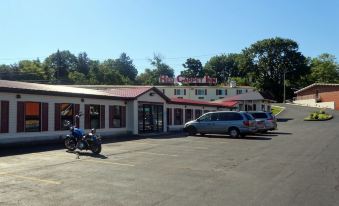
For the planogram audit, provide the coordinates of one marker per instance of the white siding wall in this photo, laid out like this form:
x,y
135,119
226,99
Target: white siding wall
x,y
211,92
13,136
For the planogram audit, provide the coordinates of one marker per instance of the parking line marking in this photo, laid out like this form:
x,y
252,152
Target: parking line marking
x,y
32,178
159,154
107,162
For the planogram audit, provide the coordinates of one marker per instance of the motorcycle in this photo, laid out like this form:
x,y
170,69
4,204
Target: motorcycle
x,y
78,139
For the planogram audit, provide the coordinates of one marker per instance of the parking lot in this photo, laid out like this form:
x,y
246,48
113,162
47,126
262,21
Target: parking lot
x,y
295,165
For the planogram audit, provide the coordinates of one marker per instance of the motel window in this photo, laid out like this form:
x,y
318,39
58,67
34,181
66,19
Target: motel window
x,y
221,97
201,97
32,117
117,115
179,91
225,92
178,116
239,91
66,115
254,107
262,107
219,92
198,113
188,115
4,116
200,91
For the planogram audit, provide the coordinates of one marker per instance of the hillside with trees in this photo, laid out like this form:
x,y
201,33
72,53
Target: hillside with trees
x,y
262,65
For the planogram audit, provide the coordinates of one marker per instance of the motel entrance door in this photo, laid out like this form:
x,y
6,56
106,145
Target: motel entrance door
x,y
150,118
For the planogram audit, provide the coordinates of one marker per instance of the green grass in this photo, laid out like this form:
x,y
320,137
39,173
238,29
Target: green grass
x,y
275,110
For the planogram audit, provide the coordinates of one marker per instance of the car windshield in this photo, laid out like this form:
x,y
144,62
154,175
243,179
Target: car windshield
x,y
205,117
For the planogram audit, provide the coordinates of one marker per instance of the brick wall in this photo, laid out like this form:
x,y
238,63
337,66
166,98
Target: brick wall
x,y
326,94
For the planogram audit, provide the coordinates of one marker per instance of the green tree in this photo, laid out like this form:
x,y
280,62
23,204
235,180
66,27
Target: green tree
x,y
124,65
267,61
33,68
193,67
83,63
224,66
324,69
61,63
151,76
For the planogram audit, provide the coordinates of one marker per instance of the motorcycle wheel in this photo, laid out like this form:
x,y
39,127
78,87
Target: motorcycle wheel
x,y
70,144
96,148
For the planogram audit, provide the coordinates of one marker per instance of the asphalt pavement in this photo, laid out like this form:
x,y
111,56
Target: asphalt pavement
x,y
295,165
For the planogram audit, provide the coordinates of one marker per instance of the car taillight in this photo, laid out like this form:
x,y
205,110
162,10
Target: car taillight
x,y
246,123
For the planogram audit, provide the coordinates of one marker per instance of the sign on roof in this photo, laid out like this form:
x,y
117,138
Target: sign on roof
x,y
187,80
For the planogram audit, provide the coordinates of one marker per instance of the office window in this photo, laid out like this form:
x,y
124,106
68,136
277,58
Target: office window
x,y
178,116
188,115
93,116
198,113
32,117
169,116
117,116
4,116
66,115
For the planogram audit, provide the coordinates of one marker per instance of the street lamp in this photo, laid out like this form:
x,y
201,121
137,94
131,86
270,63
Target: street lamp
x,y
284,101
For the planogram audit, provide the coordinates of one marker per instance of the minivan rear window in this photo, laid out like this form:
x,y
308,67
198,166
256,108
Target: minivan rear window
x,y
248,116
259,115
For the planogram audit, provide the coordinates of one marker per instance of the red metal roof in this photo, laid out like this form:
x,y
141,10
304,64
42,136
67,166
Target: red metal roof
x,y
229,103
197,102
127,92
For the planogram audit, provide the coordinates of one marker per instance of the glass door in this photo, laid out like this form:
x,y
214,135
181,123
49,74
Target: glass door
x,y
150,118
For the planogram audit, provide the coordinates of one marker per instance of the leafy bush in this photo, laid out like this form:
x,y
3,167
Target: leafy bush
x,y
319,115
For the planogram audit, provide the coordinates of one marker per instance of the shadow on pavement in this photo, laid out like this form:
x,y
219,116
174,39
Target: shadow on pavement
x,y
44,146
278,133
88,154
249,137
284,119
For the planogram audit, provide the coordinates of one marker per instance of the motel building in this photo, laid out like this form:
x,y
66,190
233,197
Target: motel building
x,y
36,112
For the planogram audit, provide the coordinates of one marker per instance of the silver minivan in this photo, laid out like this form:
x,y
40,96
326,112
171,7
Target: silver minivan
x,y
222,122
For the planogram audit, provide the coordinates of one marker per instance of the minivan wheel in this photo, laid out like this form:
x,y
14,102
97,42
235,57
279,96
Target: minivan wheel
x,y
234,132
191,130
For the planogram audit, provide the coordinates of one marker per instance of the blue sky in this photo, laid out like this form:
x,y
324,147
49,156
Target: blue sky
x,y
176,29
